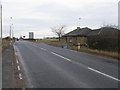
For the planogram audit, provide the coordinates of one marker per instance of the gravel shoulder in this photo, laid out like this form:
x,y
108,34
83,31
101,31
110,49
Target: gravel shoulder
x,y
10,72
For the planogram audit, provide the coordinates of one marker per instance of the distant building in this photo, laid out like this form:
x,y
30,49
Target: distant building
x,y
119,14
31,35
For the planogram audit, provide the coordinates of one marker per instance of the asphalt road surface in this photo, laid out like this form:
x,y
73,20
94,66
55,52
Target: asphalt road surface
x,y
54,67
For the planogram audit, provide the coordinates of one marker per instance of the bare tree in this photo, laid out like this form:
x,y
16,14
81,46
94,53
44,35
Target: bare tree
x,y
110,25
59,30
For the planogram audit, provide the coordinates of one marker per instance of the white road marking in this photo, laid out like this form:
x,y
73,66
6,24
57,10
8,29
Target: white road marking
x,y
88,67
40,48
20,76
43,49
61,56
103,74
35,46
15,53
18,68
17,61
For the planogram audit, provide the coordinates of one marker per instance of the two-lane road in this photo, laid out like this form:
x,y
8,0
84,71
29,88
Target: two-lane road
x,y
53,67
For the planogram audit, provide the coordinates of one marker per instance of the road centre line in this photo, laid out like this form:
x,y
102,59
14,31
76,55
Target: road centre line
x,y
87,67
61,56
40,48
43,49
103,74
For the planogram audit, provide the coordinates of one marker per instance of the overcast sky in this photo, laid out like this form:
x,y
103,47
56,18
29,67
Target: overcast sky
x,y
39,15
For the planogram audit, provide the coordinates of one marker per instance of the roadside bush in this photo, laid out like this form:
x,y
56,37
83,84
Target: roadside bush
x,y
107,44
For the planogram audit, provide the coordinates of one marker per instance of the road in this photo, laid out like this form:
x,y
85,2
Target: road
x,y
46,66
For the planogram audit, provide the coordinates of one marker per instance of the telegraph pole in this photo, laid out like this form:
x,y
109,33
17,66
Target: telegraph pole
x,y
0,24
11,27
0,45
119,15
1,20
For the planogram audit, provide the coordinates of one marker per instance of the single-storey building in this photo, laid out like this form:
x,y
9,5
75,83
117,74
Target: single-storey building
x,y
78,35
105,37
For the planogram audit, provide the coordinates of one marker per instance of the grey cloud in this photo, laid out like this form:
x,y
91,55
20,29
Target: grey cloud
x,y
102,12
93,15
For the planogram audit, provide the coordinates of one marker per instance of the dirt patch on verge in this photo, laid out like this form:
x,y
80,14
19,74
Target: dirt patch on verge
x,y
10,73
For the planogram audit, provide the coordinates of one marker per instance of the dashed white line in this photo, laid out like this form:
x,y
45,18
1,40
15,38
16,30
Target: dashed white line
x,y
20,76
61,56
40,48
43,49
18,68
35,46
103,74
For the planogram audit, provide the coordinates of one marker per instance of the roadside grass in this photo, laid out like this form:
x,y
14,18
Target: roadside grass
x,y
5,44
55,42
114,55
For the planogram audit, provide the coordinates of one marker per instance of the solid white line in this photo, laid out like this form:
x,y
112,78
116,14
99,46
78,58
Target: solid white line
x,y
103,74
20,76
18,68
61,56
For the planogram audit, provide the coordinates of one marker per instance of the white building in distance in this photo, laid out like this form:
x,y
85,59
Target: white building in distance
x,y
31,35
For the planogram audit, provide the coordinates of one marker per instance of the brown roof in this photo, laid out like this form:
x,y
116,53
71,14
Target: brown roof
x,y
80,32
103,32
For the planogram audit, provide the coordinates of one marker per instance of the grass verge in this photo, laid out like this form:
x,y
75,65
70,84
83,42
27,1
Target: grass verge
x,y
114,55
5,44
55,42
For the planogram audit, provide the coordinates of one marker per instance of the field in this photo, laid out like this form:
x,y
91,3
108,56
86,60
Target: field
x,y
44,40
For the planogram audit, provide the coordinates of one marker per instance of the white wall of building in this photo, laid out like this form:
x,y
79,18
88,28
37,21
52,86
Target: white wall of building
x,y
31,35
